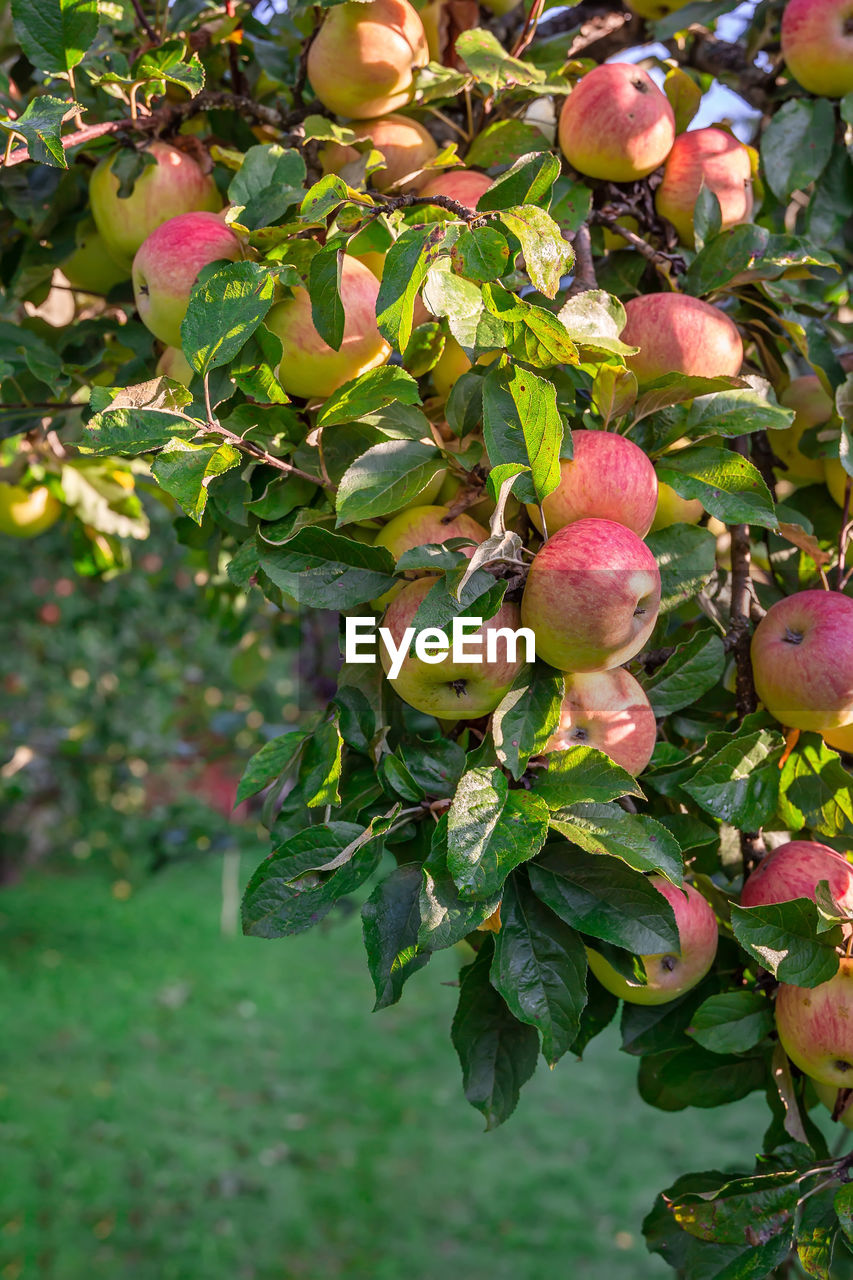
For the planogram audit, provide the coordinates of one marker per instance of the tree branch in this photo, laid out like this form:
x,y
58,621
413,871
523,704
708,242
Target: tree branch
x,y
584,264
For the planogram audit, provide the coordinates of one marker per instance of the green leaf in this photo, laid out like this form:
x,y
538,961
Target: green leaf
x,y
487,60
797,144
529,181
730,1216
727,484
481,597
784,937
55,34
539,968
267,184
326,195
491,830
749,252
818,1236
324,290
481,253
40,125
844,1208
635,838
320,772
687,557
435,765
531,334
142,418
385,478
366,394
521,424
599,896
547,256
224,311
286,895
732,1021
740,784
524,721
696,667
390,920
502,142
446,917
497,1052
186,470
327,570
694,1077
168,64
269,763
594,319
582,773
736,413
815,790
406,266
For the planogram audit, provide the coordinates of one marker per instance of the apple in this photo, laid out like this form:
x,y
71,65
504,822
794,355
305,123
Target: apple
x,y
673,509
309,367
89,267
608,710
794,870
815,1026
680,334
608,477
360,64
167,264
448,690
174,364
671,974
836,481
802,660
840,739
174,185
452,363
416,526
592,596
465,186
406,147
616,124
817,45
812,408
25,513
828,1095
708,158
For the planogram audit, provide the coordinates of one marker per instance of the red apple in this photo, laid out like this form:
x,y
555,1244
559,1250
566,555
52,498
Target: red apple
x,y
167,265
794,870
309,367
174,185
446,689
812,407
680,334
608,477
592,596
817,45
361,62
815,1026
802,660
608,710
405,144
708,158
616,124
465,186
671,974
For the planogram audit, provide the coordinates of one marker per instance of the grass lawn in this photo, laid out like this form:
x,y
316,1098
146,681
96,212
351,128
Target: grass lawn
x,y
179,1105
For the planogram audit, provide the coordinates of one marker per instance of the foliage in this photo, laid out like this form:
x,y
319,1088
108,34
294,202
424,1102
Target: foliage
x,y
469,833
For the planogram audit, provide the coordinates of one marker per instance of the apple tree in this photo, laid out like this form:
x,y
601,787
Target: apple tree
x,y
526,329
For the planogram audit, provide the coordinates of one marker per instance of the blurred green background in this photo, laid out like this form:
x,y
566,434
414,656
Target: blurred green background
x,y
180,1103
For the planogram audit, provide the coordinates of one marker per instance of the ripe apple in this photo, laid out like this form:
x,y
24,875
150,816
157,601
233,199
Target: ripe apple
x,y
405,145
802,660
167,264
616,124
680,334
310,367
608,710
815,1027
463,185
361,62
174,185
671,974
836,481
841,739
448,690
794,870
417,526
609,477
673,509
90,268
592,596
452,363
817,45
828,1094
25,513
812,407
174,364
708,158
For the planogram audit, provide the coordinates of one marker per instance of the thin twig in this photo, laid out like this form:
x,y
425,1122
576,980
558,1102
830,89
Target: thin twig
x,y
143,22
